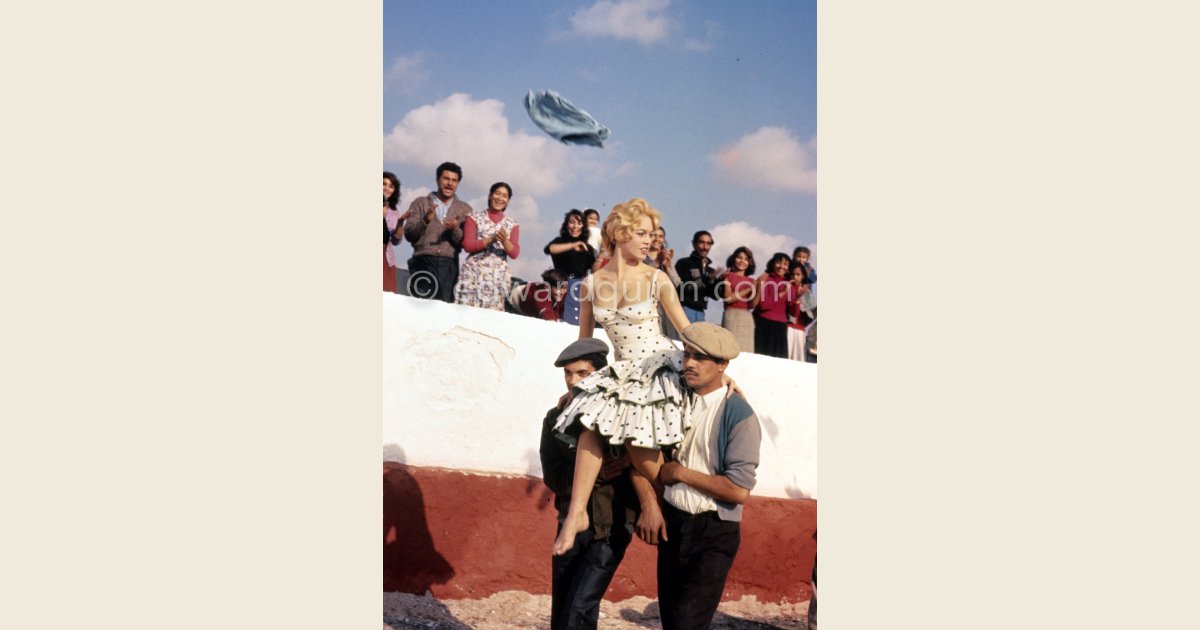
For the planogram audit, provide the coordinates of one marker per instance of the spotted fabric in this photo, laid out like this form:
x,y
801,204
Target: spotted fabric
x,y
638,397
484,280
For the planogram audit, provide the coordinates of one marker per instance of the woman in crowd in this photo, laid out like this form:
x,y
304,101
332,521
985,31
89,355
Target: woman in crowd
x,y
572,255
737,291
798,318
391,218
660,257
773,293
490,237
623,297
592,216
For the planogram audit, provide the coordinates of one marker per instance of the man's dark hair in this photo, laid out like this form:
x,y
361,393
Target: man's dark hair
x,y
697,235
554,277
449,166
798,250
597,359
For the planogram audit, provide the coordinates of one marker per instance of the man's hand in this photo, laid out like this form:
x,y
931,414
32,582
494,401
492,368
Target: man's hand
x,y
650,525
671,472
430,216
450,224
614,467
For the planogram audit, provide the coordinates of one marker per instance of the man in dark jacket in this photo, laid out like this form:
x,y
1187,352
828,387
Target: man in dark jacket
x,y
581,576
697,278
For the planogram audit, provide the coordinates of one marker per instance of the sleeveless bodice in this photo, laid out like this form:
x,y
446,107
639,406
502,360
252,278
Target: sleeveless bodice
x,y
633,330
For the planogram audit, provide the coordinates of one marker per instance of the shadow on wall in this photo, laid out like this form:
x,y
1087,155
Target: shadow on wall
x,y
410,562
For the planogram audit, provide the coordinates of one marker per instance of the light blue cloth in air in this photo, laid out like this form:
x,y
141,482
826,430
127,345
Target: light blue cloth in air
x,y
563,121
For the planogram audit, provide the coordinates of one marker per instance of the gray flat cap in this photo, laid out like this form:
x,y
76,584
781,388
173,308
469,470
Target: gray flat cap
x,y
579,349
712,340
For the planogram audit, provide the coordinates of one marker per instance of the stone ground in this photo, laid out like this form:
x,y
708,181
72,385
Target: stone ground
x,y
517,609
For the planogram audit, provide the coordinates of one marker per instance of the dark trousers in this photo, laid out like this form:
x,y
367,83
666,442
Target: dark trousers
x,y
692,566
581,576
770,337
433,277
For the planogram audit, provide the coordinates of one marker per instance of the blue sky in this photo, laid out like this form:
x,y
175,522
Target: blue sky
x,y
712,107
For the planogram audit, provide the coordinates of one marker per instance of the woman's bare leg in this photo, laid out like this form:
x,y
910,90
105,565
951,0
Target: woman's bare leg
x,y
588,457
647,461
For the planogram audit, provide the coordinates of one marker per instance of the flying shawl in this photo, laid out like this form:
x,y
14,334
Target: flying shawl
x,y
563,121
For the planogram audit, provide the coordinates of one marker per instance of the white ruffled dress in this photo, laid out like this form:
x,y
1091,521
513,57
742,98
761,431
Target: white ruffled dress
x,y
637,397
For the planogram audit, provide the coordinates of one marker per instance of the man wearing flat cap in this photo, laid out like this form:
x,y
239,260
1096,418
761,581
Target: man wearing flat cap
x,y
621,502
706,484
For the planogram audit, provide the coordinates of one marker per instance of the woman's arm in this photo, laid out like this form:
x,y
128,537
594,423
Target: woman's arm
x,y
562,248
670,303
587,325
758,291
471,241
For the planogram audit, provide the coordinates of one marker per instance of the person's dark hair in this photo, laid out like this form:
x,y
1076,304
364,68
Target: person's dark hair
x,y
796,252
583,236
775,258
804,272
395,198
749,254
587,211
449,166
698,234
554,277
597,359
493,189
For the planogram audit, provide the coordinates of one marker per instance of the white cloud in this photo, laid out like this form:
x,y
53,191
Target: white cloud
x,y
770,157
407,73
475,135
712,32
644,21
730,236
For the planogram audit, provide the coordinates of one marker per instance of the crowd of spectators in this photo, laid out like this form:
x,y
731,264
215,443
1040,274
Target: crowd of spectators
x,y
773,314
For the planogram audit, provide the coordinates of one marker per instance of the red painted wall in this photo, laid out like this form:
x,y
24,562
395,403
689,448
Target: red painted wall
x,y
468,535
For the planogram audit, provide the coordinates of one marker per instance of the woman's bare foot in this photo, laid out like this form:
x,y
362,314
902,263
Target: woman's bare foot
x,y
571,527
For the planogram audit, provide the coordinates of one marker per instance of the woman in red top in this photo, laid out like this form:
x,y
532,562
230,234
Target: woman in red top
x,y
773,293
737,291
490,238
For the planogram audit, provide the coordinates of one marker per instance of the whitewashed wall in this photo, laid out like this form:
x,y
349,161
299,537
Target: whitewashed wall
x,y
467,388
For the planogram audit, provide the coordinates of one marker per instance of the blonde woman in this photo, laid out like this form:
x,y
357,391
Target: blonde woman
x,y
636,401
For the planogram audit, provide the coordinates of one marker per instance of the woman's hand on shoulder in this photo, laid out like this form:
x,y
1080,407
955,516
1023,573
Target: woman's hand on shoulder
x,y
731,387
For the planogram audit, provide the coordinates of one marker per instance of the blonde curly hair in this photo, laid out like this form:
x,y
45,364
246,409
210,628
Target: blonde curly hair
x,y
624,219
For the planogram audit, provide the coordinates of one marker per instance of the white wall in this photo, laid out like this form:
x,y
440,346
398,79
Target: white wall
x,y
467,388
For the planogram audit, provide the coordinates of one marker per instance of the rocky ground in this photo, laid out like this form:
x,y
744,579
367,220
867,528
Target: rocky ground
x,y
517,609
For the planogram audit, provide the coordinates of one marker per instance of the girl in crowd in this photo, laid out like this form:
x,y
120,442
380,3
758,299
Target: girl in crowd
x,y
738,294
572,255
593,224
798,318
660,257
774,292
624,297
391,218
490,237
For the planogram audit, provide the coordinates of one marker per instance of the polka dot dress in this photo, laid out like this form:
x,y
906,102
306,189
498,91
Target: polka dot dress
x,y
637,397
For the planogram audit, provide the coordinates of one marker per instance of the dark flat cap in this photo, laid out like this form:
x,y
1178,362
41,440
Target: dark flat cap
x,y
580,348
712,340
